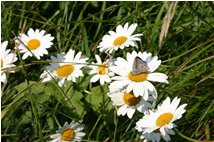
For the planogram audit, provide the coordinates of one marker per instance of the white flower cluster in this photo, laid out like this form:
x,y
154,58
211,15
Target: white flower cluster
x,y
131,88
129,79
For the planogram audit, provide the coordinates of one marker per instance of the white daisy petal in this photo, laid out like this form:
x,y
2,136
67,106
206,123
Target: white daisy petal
x,y
95,78
119,29
107,78
130,87
161,119
68,133
101,71
54,136
3,78
80,134
119,71
118,84
62,69
131,29
122,110
128,103
146,94
134,75
166,137
117,98
126,26
111,34
26,55
171,132
102,81
120,39
180,110
148,85
36,42
130,112
139,90
154,63
163,132
98,59
77,57
7,60
158,77
151,89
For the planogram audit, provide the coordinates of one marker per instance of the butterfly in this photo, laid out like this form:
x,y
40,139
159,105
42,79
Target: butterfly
x,y
139,66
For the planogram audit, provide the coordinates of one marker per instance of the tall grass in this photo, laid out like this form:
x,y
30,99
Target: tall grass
x,y
32,110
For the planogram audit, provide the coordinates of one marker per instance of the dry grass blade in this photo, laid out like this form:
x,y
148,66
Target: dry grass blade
x,y
166,22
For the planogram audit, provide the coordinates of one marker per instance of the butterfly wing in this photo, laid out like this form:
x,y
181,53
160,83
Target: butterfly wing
x,y
139,66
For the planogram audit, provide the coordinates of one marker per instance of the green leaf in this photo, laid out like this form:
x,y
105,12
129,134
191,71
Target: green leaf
x,y
26,117
33,87
38,90
98,98
74,103
94,3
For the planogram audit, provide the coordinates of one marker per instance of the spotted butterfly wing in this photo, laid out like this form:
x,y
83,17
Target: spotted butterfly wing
x,y
139,66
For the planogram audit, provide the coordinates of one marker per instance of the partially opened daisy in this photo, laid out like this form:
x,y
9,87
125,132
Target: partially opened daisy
x,y
161,121
130,76
69,133
128,103
34,43
101,71
7,60
120,39
64,67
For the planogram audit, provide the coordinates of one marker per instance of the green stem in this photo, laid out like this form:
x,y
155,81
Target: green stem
x,y
115,130
95,125
190,139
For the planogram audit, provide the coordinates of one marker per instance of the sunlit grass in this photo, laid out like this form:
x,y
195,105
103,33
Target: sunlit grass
x,y
32,110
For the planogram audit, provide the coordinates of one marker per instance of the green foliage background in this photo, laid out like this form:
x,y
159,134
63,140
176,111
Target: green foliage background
x,y
32,111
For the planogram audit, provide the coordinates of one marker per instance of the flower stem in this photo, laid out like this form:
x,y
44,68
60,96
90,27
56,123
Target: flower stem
x,y
190,139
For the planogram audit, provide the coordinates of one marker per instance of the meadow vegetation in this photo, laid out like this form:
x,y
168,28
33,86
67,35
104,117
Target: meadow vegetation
x,y
179,33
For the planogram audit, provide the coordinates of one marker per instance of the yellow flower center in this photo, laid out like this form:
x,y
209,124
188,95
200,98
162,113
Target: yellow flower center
x,y
64,70
68,134
120,40
33,44
138,77
1,63
130,99
101,69
164,119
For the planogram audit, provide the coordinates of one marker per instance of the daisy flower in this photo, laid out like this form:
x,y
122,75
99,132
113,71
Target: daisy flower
x,y
138,83
64,67
69,133
101,71
159,123
155,136
7,60
35,43
128,103
120,39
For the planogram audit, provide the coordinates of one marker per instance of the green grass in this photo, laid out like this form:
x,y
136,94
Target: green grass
x,y
32,110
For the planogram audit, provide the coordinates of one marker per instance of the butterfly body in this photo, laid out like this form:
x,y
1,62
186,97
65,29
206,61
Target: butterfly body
x,y
139,66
